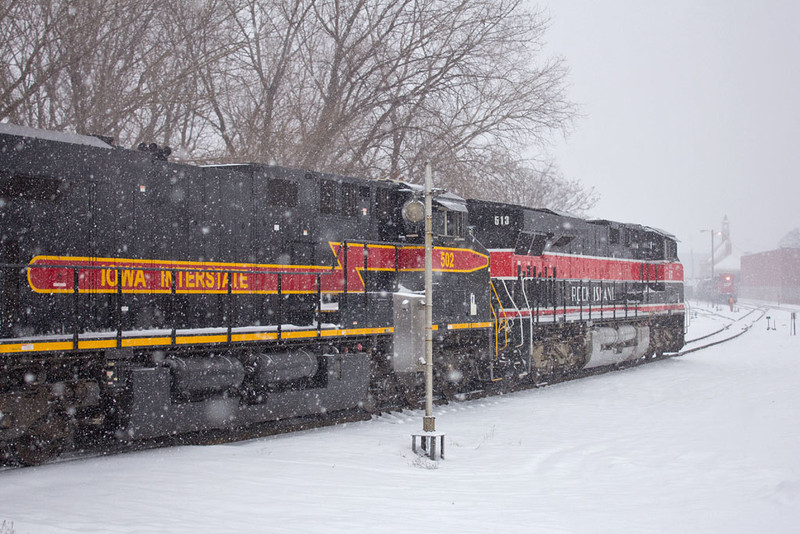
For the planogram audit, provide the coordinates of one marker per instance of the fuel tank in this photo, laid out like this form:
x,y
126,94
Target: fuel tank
x,y
202,375
284,367
609,346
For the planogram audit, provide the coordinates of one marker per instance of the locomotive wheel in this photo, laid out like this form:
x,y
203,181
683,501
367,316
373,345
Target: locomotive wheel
x,y
44,441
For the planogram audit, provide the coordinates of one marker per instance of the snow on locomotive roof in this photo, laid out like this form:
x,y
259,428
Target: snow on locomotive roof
x,y
451,202
660,231
548,211
446,199
606,222
48,135
555,212
226,165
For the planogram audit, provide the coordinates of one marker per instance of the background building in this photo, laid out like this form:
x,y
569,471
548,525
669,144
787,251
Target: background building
x,y
773,275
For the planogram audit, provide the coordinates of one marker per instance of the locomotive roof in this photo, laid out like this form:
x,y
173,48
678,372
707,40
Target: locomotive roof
x,y
600,222
606,222
48,135
661,232
548,211
295,171
451,202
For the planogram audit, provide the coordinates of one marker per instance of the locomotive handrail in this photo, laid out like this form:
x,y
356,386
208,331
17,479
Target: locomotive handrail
x,y
77,322
332,268
498,328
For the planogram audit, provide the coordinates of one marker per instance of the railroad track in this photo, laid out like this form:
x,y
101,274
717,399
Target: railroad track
x,y
726,333
717,337
107,445
726,327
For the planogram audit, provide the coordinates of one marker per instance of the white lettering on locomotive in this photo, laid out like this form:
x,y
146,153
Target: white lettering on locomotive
x,y
582,293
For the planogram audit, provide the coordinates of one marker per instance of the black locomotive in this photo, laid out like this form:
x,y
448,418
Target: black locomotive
x,y
142,298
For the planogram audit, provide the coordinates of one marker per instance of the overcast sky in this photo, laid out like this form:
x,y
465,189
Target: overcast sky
x,y
691,111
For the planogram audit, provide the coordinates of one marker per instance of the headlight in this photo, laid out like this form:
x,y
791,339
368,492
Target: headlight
x,y
414,211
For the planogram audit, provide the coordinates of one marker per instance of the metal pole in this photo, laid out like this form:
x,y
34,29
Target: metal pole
x,y
712,256
429,422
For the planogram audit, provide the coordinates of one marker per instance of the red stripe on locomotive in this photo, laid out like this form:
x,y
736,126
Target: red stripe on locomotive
x,y
504,265
103,275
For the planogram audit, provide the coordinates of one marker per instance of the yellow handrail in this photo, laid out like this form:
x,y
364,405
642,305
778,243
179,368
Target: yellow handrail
x,y
498,328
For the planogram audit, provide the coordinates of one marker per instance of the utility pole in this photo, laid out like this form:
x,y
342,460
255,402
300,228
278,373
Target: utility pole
x,y
429,422
711,231
429,438
712,254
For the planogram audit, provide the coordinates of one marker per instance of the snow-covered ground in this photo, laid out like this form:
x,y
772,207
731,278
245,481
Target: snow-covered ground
x,y
708,442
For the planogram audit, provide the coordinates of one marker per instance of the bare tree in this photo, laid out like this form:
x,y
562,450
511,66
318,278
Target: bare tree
x,y
535,184
395,82
251,94
193,42
371,88
116,67
27,31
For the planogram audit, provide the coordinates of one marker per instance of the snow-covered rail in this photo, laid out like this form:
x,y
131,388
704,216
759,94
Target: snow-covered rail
x,y
717,337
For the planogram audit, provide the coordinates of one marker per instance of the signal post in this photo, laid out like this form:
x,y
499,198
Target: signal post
x,y
429,437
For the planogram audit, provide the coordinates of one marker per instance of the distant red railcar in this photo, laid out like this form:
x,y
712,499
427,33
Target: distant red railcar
x,y
721,288
726,286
